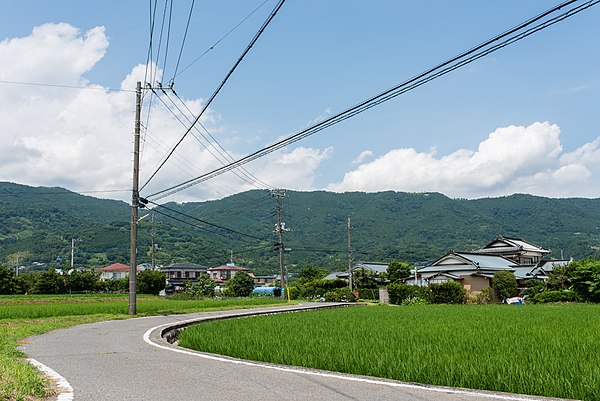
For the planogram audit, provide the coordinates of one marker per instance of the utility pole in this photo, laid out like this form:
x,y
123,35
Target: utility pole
x,y
135,201
278,194
72,252
349,255
153,243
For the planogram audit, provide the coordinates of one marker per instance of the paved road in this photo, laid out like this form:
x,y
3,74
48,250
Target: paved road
x,y
126,360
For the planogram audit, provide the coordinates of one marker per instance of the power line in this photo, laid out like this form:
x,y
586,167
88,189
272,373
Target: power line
x,y
65,86
171,81
221,85
203,221
456,62
187,25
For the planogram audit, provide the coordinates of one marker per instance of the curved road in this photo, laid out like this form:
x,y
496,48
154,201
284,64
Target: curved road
x,y
128,360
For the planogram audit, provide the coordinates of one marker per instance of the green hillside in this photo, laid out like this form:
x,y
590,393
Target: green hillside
x,y
39,223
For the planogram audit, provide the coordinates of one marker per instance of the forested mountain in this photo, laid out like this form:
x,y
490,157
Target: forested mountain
x,y
38,224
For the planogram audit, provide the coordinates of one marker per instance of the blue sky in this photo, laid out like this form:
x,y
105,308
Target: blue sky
x,y
523,119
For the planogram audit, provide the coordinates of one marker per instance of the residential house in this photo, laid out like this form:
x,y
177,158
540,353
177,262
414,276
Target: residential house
x,y
516,249
223,273
473,270
113,272
178,273
372,267
266,281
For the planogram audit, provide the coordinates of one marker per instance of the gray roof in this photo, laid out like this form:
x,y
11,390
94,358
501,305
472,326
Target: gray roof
x,y
372,266
470,261
184,266
336,275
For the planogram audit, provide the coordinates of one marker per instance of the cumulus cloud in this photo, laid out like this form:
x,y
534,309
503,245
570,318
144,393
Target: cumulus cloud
x,y
512,159
82,139
362,156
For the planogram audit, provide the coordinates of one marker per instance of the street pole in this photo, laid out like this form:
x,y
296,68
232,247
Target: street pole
x,y
153,244
72,251
135,201
349,255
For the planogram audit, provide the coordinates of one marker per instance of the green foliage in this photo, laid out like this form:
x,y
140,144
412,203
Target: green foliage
x,y
560,277
505,284
50,282
241,284
533,287
554,296
397,271
7,282
483,297
400,292
25,282
368,293
119,285
204,289
586,279
344,294
414,301
310,273
390,225
449,292
365,278
317,288
82,280
150,282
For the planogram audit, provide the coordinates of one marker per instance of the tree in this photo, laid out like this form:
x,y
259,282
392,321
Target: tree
x,y
241,284
50,282
364,278
310,273
586,279
7,282
205,286
150,282
449,292
560,277
505,284
82,280
397,271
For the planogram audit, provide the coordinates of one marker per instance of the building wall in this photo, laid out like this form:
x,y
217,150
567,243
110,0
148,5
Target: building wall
x,y
475,283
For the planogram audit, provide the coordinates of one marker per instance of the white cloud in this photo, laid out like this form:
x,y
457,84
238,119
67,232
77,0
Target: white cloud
x,y
512,159
362,156
82,139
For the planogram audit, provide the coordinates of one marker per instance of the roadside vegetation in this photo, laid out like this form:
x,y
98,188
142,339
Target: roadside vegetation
x,y
547,350
22,316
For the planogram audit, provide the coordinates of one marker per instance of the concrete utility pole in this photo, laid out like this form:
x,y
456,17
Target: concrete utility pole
x,y
278,194
349,255
72,252
153,243
135,201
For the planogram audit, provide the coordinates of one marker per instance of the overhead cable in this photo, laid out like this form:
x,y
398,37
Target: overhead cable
x,y
221,85
515,34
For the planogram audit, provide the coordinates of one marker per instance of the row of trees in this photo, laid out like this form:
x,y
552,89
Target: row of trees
x,y
52,282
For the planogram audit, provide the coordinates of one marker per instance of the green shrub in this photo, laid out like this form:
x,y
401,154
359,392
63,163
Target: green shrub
x,y
368,293
317,288
586,280
340,295
505,284
294,292
554,296
449,292
400,292
414,301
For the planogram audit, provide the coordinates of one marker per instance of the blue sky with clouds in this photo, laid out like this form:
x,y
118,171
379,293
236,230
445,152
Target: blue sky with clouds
x,y
523,119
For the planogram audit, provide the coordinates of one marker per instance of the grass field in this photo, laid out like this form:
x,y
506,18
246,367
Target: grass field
x,y
549,350
24,316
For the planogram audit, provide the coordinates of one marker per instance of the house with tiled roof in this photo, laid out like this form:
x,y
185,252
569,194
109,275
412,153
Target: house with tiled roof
x,y
178,273
518,250
113,272
223,273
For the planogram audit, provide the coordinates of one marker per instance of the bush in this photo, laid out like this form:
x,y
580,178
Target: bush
x,y
554,296
317,288
449,292
505,284
400,292
414,301
483,297
241,284
368,293
586,280
340,295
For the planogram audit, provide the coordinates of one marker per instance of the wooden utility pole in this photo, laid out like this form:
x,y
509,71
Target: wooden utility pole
x,y
135,201
349,255
278,194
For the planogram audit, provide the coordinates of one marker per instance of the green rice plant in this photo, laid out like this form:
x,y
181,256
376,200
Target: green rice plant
x,y
548,350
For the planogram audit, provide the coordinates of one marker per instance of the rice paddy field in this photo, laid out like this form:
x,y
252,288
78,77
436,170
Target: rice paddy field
x,y
27,315
547,350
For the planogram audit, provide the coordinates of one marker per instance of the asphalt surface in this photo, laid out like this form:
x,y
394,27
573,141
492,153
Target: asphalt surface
x,y
129,360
